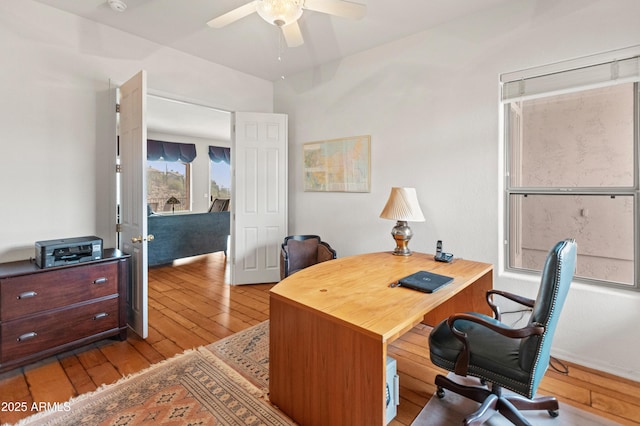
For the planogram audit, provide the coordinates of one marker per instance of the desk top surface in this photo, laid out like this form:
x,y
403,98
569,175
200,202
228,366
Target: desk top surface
x,y
356,289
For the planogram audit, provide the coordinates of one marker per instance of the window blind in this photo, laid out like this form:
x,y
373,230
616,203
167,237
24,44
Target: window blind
x,y
566,77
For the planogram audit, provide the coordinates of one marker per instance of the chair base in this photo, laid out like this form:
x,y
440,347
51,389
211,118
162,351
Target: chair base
x,y
493,401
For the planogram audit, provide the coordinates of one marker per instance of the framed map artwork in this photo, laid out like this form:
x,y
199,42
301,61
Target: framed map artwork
x,y
338,165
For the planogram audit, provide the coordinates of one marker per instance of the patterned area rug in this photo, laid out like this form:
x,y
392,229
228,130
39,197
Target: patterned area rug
x,y
247,352
226,383
194,388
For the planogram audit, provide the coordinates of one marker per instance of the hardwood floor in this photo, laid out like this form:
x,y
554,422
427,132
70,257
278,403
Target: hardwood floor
x,y
190,305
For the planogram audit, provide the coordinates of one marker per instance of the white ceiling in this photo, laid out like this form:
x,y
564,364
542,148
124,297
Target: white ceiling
x,y
251,45
174,117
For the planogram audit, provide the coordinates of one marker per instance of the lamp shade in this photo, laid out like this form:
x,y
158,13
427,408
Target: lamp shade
x,y
403,205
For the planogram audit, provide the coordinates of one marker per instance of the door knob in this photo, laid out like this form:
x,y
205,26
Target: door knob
x,y
139,238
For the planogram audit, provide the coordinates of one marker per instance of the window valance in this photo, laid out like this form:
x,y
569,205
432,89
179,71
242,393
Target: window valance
x,y
170,151
219,153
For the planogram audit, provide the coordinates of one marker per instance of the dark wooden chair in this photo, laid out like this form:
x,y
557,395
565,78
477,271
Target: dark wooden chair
x,y
301,251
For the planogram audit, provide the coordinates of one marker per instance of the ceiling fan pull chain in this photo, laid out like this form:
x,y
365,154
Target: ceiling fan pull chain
x,y
280,52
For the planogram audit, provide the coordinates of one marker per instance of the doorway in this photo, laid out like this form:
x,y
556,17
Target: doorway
x,y
258,217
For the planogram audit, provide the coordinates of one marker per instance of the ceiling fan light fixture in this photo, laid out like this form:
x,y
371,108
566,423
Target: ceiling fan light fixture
x,y
279,12
117,5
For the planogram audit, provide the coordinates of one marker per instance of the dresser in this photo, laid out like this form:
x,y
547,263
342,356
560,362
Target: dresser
x,y
51,310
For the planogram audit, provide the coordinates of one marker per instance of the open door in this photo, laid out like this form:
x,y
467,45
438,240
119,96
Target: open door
x,y
259,201
133,193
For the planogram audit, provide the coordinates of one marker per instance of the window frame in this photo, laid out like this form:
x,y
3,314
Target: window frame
x,y
510,190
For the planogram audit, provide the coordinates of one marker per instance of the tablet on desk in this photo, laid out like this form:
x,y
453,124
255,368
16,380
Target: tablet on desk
x,y
425,281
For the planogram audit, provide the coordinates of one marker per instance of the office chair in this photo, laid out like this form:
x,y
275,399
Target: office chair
x,y
473,344
301,251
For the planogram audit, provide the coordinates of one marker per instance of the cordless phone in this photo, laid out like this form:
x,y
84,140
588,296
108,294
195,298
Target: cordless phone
x,y
440,255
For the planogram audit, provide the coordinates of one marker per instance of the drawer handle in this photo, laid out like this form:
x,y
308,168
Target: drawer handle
x,y
100,316
100,280
26,295
27,336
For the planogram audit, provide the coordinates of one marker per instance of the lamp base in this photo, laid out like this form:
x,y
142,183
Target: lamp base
x,y
401,233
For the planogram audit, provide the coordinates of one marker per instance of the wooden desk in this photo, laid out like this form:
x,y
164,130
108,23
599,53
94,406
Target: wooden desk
x,y
330,325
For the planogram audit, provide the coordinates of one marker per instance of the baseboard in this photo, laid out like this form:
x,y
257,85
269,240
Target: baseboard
x,y
589,363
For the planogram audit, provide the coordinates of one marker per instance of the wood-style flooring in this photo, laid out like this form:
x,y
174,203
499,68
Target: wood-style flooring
x,y
191,305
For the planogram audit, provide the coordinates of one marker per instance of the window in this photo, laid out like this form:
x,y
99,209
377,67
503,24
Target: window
x,y
169,175
571,145
220,180
168,180
220,172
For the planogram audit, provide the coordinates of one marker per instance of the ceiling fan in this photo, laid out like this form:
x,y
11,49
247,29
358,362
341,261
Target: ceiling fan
x,y
285,14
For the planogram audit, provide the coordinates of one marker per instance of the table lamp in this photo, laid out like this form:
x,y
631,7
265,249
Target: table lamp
x,y
173,201
403,207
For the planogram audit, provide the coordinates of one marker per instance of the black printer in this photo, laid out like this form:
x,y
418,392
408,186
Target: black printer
x,y
68,251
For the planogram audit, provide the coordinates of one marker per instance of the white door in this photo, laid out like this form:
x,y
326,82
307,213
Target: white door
x,y
133,192
259,204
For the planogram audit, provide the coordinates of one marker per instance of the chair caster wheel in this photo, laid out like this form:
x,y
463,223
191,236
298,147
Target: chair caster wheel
x,y
440,392
553,413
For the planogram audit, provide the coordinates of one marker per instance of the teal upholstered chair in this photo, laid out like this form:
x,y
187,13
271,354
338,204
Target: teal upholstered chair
x,y
477,345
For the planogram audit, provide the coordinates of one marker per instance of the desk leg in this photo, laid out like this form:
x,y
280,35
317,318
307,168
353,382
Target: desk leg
x,y
322,372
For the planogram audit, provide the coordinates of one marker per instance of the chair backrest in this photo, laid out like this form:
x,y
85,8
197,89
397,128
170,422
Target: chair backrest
x,y
300,238
557,275
219,205
301,251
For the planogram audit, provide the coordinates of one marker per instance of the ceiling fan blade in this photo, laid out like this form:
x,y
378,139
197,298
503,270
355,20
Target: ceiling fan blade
x,y
232,16
343,9
292,34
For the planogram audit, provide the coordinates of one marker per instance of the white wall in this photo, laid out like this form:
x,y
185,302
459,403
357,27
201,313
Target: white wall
x,y
56,117
430,103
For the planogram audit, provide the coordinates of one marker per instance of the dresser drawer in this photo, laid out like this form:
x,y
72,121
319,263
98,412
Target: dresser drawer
x,y
29,294
31,335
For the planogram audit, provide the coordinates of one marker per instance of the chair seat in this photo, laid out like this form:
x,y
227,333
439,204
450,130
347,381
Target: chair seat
x,y
494,357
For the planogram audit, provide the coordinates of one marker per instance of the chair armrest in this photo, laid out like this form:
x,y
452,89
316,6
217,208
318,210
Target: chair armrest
x,y
284,262
462,363
325,252
513,333
525,301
